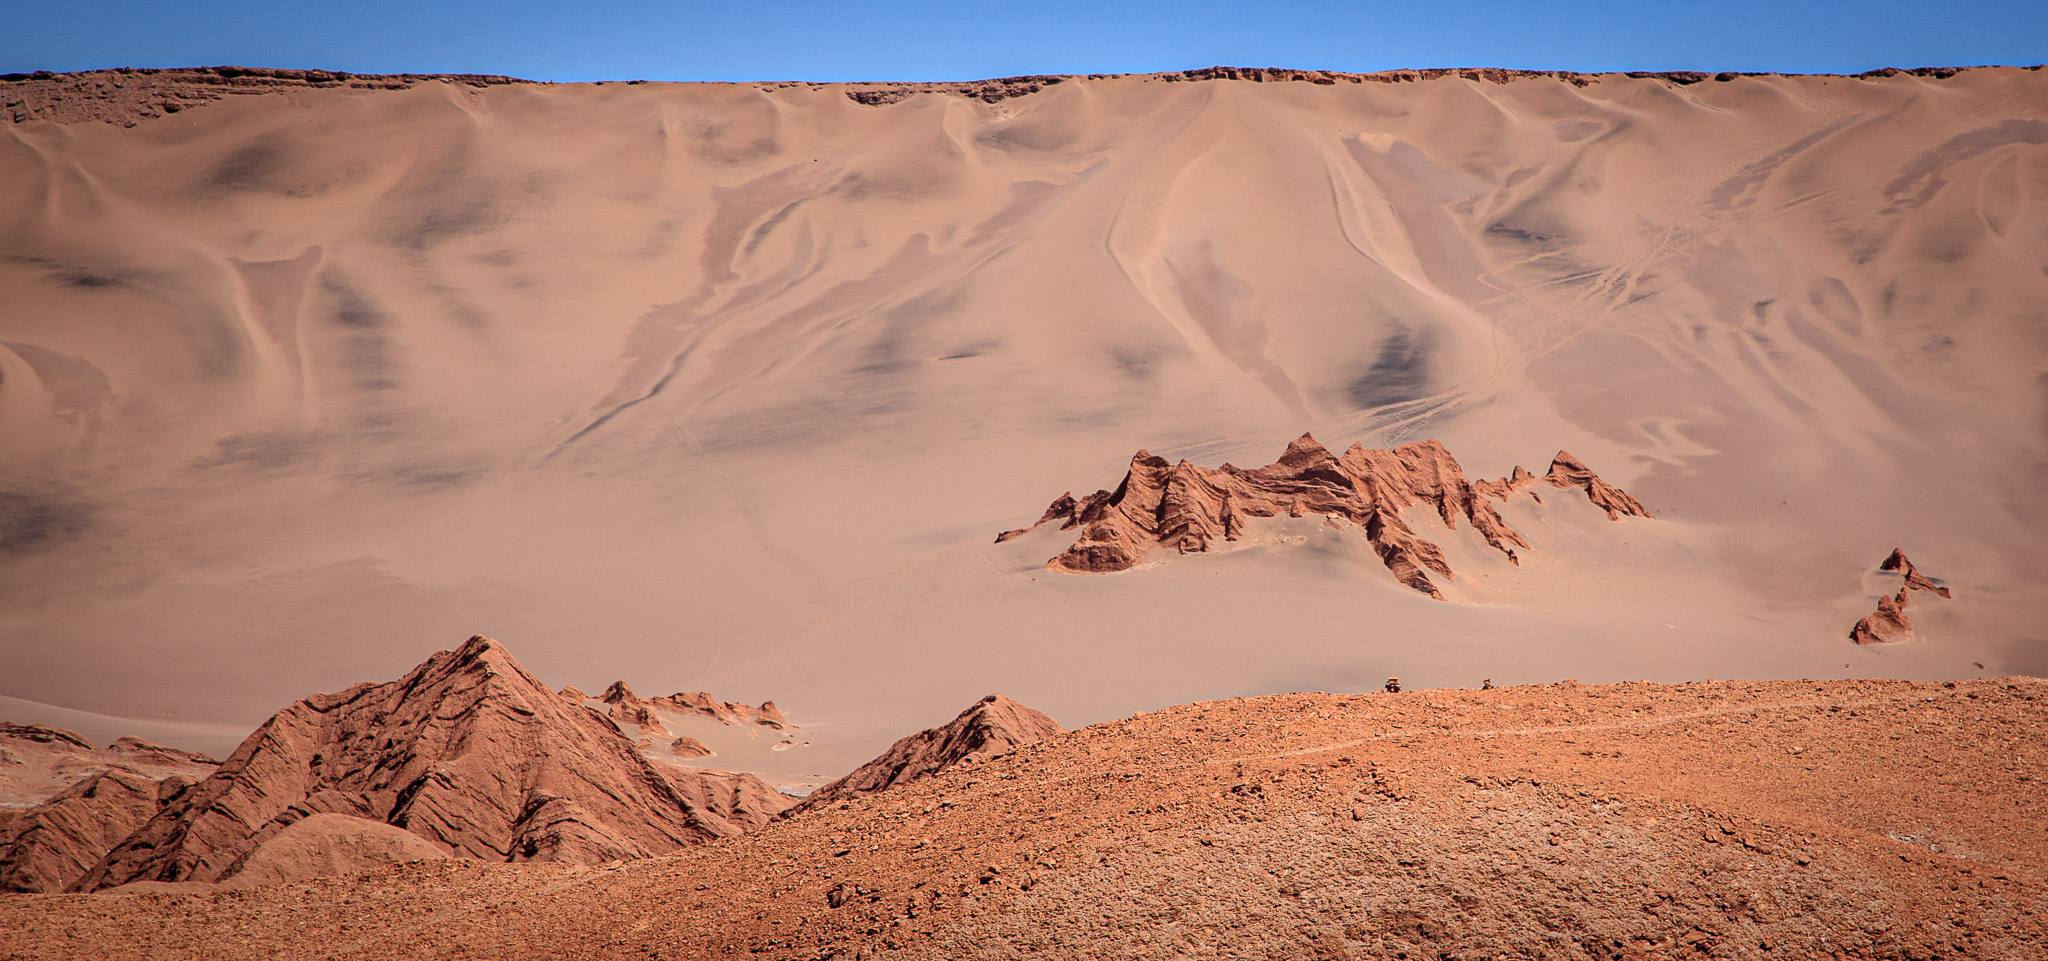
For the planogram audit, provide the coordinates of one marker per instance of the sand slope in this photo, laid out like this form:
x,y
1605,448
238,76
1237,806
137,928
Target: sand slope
x,y
723,387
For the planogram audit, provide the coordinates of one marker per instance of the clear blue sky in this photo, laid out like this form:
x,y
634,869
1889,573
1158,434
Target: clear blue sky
x,y
920,40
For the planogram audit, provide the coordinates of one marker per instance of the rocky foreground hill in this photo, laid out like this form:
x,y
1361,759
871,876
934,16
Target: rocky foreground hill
x,y
1719,819
468,756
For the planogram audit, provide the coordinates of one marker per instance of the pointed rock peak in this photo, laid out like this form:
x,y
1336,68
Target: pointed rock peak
x,y
1565,460
467,751
619,691
486,652
991,726
481,656
1305,450
480,647
1889,622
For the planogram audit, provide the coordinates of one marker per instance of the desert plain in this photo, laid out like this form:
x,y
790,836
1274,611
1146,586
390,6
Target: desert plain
x,y
730,388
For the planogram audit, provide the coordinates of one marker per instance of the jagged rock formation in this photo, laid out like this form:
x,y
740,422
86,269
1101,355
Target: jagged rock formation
x,y
72,802
51,845
1889,622
739,798
38,762
629,708
1189,508
993,726
468,751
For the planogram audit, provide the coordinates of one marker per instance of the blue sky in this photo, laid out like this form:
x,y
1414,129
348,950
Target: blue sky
x,y
919,40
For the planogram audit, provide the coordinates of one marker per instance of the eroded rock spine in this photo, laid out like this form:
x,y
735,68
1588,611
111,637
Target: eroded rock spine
x,y
1190,508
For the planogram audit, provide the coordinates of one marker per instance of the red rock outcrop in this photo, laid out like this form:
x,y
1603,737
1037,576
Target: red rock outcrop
x,y
993,726
1189,508
130,95
75,801
1898,564
688,747
468,751
39,762
59,840
627,707
1889,622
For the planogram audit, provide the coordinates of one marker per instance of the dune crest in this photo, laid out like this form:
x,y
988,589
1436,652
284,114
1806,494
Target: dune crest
x,y
1188,508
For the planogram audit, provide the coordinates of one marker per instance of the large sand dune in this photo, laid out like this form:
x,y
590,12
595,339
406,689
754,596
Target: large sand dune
x,y
725,387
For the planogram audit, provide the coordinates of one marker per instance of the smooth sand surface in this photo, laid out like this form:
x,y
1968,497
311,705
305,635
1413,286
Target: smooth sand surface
x,y
729,388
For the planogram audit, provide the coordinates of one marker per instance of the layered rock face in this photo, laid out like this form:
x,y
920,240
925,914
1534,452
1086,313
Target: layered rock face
x,y
39,762
1189,508
994,725
468,752
1889,622
51,845
75,802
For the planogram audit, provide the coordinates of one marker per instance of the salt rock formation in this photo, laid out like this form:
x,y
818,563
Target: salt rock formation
x,y
994,725
1189,508
468,751
1889,622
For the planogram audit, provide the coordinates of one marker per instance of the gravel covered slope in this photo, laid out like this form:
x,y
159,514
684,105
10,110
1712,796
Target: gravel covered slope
x,y
1723,819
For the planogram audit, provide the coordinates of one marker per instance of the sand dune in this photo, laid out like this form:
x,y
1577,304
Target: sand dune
x,y
723,387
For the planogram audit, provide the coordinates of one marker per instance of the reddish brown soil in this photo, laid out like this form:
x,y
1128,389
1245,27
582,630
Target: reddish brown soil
x,y
1780,819
128,96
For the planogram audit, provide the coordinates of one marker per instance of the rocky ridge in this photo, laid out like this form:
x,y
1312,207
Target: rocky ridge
x,y
1190,508
1846,819
49,846
468,751
627,707
38,762
64,803
1889,622
130,95
994,725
